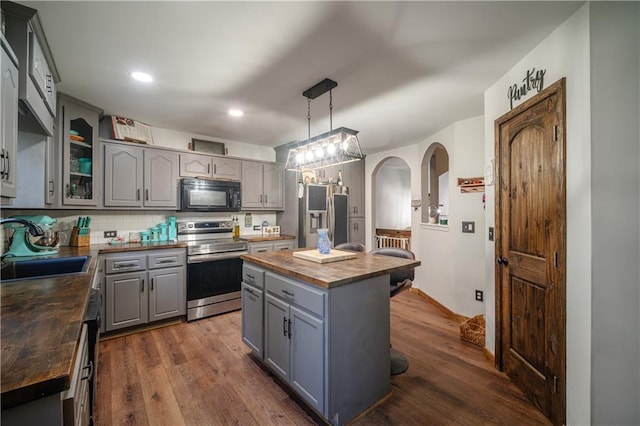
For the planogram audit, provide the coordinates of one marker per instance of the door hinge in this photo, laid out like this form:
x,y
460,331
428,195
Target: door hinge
x,y
555,133
555,259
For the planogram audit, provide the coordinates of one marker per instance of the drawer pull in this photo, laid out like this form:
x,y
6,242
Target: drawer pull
x,y
288,293
162,262
251,276
250,291
125,265
90,373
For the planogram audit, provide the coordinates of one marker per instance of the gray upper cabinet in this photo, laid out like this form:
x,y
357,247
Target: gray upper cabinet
x,y
196,165
160,178
38,74
123,176
262,186
227,168
9,117
140,177
77,144
354,178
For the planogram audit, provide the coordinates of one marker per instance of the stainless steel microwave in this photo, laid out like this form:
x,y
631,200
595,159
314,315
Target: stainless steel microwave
x,y
204,195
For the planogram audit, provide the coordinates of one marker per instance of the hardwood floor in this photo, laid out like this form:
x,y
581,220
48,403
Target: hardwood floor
x,y
200,373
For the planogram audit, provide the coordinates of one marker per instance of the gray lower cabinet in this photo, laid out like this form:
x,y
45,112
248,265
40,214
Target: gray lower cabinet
x,y
356,229
253,308
263,247
295,336
329,345
143,287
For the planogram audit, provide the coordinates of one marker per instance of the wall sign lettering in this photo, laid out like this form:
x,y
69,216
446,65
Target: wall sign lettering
x,y
534,80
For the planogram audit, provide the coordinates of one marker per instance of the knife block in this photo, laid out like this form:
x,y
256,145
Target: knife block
x,y
80,237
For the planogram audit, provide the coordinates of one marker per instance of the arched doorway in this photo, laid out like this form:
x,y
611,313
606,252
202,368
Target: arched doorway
x,y
435,183
391,215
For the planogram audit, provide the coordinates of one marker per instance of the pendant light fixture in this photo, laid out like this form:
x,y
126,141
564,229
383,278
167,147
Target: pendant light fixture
x,y
328,149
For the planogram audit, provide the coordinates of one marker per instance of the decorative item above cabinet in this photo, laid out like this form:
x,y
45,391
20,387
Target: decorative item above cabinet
x,y
38,74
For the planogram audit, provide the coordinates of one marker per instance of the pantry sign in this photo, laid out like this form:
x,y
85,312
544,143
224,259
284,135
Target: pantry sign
x,y
533,80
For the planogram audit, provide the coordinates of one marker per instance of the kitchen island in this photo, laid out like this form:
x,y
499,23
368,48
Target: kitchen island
x,y
323,329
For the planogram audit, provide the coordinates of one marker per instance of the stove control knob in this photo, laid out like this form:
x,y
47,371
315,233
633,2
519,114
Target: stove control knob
x,y
190,225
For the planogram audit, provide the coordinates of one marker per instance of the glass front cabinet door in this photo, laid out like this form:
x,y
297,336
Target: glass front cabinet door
x,y
78,131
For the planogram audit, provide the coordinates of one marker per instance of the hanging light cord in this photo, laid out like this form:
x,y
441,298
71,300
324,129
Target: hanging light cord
x,y
330,109
309,117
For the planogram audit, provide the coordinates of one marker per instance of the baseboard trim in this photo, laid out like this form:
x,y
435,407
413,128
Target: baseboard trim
x,y
489,356
448,312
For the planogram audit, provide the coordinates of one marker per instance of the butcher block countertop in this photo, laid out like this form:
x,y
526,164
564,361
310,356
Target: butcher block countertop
x,y
263,238
332,274
41,321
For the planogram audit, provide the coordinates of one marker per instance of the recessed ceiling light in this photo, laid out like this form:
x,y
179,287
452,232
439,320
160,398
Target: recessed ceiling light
x,y
236,112
141,76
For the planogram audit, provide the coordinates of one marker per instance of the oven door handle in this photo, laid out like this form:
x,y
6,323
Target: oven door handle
x,y
200,258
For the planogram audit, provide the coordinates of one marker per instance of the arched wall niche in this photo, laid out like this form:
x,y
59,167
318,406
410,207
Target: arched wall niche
x,y
434,181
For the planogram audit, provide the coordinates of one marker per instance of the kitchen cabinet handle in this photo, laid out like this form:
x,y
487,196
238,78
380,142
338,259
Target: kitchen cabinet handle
x,y
284,326
138,194
248,290
251,276
7,169
125,265
265,199
142,291
215,169
3,164
51,187
261,198
146,194
90,373
289,326
288,293
68,193
165,261
152,279
208,168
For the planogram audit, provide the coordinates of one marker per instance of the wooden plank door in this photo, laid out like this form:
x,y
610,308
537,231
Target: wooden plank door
x,y
530,249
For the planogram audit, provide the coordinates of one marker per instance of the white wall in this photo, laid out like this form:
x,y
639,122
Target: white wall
x,y
181,140
452,263
564,53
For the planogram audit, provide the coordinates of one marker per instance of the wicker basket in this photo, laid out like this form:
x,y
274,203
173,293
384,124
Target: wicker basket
x,y
473,330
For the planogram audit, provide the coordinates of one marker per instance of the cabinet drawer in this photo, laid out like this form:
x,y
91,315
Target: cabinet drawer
x,y
126,263
283,245
166,259
253,275
296,293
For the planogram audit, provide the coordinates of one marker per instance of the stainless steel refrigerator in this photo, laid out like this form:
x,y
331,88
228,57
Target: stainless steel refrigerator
x,y
320,207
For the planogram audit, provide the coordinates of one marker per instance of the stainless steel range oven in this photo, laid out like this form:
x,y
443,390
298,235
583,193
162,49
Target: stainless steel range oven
x,y
214,267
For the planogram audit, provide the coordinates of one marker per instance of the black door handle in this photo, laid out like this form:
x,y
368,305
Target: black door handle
x,y
503,260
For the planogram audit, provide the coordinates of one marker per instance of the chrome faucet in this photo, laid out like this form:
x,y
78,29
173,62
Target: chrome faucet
x,y
34,229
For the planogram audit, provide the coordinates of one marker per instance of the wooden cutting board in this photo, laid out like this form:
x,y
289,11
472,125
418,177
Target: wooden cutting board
x,y
333,256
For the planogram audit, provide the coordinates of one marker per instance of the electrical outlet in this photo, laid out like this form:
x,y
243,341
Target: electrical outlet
x,y
491,233
479,295
110,234
257,227
468,227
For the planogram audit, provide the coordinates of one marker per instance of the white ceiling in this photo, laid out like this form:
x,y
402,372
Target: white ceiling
x,y
404,69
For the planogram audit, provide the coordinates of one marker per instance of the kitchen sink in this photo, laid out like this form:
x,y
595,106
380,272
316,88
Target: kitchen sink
x,y
42,268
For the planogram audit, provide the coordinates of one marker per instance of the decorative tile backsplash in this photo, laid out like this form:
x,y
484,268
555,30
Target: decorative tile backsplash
x,y
126,222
